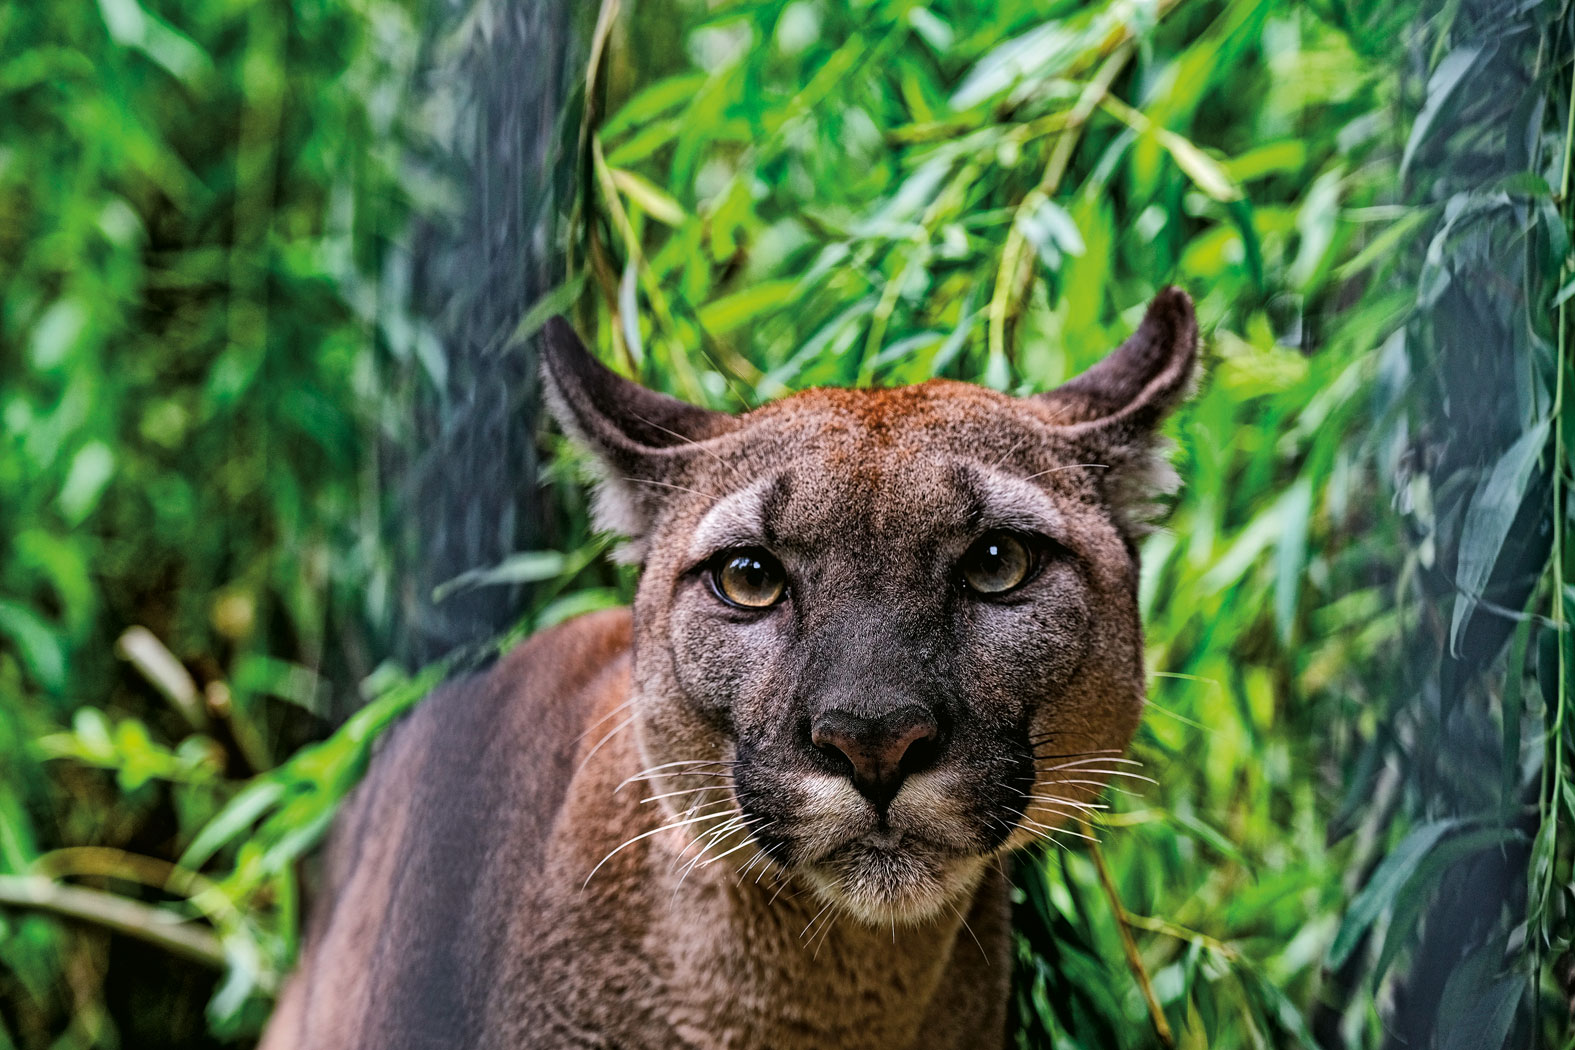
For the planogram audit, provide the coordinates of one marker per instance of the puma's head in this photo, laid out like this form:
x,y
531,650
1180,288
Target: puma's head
x,y
893,632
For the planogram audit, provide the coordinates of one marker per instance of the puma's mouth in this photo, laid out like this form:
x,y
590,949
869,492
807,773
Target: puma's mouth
x,y
885,876
906,863
883,839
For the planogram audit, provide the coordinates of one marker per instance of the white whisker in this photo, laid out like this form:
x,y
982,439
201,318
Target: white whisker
x,y
743,872
748,840
1127,773
723,787
1086,761
982,953
1045,830
626,723
1057,800
1066,466
592,727
652,771
670,485
818,914
645,835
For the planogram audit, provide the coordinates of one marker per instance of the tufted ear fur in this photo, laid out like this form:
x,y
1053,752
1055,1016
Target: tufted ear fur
x,y
641,438
1112,412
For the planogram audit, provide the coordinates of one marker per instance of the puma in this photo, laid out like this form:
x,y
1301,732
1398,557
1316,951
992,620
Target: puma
x,y
881,639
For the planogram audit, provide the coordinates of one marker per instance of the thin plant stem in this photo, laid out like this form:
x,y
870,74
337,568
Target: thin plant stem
x,y
145,922
1129,945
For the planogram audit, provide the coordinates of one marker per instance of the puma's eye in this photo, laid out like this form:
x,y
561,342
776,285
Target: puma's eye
x,y
750,579
996,563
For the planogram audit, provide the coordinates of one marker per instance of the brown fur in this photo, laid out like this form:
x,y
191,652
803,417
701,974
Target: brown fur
x,y
513,872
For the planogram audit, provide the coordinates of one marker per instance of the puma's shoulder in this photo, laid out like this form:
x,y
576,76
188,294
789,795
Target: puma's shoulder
x,y
453,818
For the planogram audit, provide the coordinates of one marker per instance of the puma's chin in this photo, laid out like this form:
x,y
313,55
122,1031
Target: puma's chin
x,y
882,880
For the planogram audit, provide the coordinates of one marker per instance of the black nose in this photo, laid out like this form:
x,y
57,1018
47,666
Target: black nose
x,y
880,751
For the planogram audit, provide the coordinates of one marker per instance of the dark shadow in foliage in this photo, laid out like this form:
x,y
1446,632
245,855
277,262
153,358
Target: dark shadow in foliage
x,y
467,485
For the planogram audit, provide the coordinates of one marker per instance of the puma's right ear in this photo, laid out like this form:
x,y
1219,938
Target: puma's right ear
x,y
1112,412
639,437
1136,386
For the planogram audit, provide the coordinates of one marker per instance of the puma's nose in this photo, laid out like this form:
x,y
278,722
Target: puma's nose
x,y
879,751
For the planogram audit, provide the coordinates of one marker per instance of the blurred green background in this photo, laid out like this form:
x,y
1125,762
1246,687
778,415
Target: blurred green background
x,y
269,279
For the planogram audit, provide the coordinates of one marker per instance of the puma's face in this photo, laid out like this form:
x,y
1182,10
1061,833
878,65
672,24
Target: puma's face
x,y
883,622
885,634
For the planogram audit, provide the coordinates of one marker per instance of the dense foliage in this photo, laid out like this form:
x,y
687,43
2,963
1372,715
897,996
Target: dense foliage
x,y
191,204
1358,831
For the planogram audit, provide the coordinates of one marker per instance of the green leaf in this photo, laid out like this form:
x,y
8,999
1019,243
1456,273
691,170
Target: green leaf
x,y
1291,556
1564,294
728,312
239,814
36,642
132,25
1485,1024
91,469
577,604
1382,889
654,201
644,142
1419,888
1441,88
1277,1007
557,301
57,334
1492,511
1034,54
653,101
524,567
1052,232
1206,173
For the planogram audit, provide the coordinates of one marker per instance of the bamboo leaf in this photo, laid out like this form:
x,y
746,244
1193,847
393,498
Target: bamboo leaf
x,y
1384,887
731,311
654,201
524,567
1291,557
1488,519
1441,88
558,301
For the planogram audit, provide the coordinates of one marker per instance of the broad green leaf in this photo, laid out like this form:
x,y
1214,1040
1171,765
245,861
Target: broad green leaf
x,y
1205,172
577,604
1409,906
91,469
1382,890
57,334
654,201
1291,556
653,101
524,567
1490,1018
1488,518
239,814
557,301
36,642
724,314
1441,88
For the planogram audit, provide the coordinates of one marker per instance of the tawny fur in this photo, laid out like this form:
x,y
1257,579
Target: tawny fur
x,y
513,873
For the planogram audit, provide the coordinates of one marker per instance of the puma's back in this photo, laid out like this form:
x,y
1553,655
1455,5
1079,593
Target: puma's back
x,y
881,639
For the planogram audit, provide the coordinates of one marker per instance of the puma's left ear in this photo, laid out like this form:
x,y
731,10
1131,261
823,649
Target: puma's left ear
x,y
641,438
1112,412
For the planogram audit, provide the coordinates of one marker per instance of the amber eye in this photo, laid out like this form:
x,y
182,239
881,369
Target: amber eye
x,y
996,563
750,579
